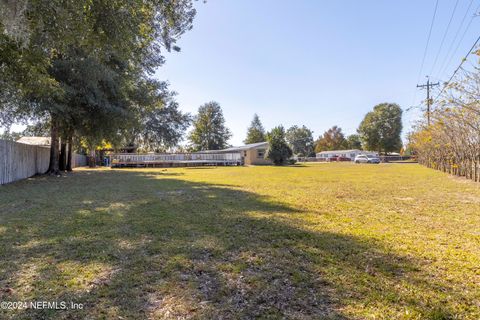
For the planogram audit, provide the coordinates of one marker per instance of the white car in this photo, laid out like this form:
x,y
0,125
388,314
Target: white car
x,y
367,158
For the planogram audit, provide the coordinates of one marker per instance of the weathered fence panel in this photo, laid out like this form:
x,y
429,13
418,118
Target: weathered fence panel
x,y
79,160
19,161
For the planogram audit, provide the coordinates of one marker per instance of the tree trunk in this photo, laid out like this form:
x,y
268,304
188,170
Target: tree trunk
x,y
91,159
63,155
53,168
69,153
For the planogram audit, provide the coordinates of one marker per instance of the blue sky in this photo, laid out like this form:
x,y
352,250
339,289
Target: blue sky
x,y
313,62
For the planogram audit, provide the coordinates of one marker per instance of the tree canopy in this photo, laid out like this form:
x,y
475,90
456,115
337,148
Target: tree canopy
x,y
159,125
353,141
83,63
278,150
451,142
332,139
381,128
255,132
209,130
300,140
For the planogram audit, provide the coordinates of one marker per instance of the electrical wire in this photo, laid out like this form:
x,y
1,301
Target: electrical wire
x,y
445,64
444,36
426,49
458,68
428,40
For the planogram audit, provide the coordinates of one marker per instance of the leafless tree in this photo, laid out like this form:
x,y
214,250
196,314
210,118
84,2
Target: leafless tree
x,y
452,142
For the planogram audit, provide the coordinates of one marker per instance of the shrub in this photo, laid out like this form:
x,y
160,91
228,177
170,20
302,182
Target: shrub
x,y
278,150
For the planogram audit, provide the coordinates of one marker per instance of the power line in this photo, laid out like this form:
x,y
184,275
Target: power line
x,y
428,39
444,36
426,48
412,107
458,68
395,117
461,39
445,64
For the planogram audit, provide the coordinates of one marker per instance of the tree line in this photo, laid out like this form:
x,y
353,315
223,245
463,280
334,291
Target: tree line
x,y
379,131
84,69
451,143
82,72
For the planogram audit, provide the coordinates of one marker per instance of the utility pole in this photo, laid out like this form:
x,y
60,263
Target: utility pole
x,y
428,85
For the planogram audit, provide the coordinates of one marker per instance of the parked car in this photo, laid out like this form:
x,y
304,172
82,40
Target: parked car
x,y
339,158
367,158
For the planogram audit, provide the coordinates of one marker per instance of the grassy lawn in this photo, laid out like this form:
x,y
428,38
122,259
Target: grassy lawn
x,y
320,241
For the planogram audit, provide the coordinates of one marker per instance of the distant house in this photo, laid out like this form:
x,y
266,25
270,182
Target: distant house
x,y
252,154
35,141
325,155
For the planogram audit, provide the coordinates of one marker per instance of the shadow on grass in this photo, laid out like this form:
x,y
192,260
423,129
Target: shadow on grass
x,y
142,245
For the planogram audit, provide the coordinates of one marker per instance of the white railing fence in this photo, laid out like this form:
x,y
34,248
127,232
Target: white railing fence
x,y
175,157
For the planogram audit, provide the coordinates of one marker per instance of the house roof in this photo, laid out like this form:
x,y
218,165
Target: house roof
x,y
238,149
246,147
37,141
341,151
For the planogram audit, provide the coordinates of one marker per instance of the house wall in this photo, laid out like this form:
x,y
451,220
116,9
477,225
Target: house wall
x,y
350,154
255,156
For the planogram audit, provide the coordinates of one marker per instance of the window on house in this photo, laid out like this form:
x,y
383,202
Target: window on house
x,y
260,153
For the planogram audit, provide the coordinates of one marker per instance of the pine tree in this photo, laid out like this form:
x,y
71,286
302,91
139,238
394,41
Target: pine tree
x,y
255,132
209,130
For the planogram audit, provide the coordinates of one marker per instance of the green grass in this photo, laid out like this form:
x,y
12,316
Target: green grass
x,y
320,241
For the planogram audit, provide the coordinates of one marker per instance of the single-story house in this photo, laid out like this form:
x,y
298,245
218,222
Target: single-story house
x,y
252,154
343,153
35,141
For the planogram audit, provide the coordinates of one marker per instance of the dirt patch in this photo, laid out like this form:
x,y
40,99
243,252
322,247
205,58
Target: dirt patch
x,y
468,198
408,199
463,180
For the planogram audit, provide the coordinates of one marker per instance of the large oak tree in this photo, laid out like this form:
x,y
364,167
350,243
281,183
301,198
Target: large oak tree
x,y
79,63
300,140
381,128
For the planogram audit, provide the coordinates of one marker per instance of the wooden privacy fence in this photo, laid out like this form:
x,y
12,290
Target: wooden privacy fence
x,y
19,161
78,160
